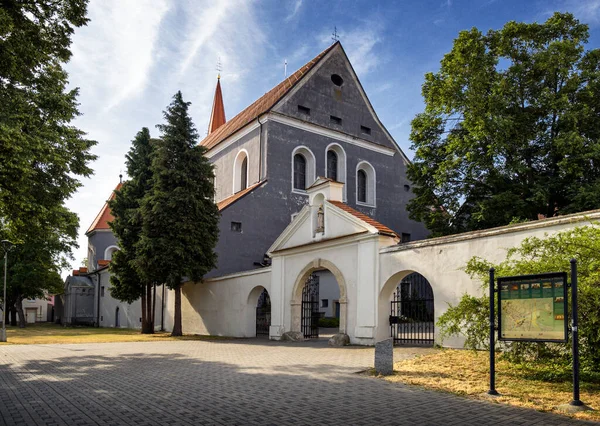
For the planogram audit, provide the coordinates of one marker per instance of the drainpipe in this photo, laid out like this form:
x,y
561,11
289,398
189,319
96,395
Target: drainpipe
x,y
260,148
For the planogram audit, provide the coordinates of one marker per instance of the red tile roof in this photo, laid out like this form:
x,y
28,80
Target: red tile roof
x,y
232,199
379,226
103,262
262,105
105,215
217,116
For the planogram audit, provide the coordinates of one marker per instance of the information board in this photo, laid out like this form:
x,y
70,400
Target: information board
x,y
533,308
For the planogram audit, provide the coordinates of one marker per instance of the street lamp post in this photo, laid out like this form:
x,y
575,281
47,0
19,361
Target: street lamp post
x,y
7,246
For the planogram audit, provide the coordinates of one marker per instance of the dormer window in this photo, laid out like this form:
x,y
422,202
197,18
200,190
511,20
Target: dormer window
x,y
366,130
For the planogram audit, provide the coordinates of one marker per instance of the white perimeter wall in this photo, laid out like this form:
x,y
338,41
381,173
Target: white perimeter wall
x,y
224,306
441,261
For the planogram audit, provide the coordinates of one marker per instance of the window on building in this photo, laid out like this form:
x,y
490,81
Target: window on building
x,y
240,172
324,303
361,182
365,184
366,130
303,110
244,175
299,172
332,165
335,120
406,188
102,291
236,226
337,80
405,238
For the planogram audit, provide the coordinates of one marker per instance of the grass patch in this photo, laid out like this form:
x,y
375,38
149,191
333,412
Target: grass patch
x,y
467,373
57,334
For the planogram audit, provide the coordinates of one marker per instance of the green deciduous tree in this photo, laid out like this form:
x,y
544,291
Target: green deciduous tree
x,y
510,129
180,218
127,284
470,317
42,156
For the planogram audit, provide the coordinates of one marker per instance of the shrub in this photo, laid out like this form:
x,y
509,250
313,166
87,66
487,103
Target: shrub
x,y
470,317
329,322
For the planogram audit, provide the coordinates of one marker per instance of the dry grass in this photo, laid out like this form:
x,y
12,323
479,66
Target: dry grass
x,y
56,334
467,373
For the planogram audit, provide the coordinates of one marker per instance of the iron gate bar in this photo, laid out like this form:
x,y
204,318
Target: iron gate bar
x,y
310,308
411,318
263,314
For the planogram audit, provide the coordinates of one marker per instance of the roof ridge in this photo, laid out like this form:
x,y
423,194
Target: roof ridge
x,y
262,104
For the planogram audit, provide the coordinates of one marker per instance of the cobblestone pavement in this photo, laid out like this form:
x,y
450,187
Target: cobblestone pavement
x,y
223,382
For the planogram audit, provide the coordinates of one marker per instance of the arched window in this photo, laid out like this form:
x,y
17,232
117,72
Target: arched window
x,y
365,184
332,165
361,190
108,253
244,174
240,171
299,172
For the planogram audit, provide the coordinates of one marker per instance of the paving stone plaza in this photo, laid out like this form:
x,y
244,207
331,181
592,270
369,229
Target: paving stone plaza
x,y
224,382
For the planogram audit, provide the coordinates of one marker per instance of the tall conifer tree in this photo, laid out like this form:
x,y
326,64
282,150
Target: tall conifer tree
x,y
127,284
180,218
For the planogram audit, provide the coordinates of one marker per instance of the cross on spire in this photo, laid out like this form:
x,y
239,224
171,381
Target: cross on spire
x,y
335,37
219,67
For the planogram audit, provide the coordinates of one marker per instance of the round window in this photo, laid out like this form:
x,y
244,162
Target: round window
x,y
337,80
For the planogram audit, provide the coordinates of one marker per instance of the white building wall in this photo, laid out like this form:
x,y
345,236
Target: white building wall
x,y
224,306
328,290
442,261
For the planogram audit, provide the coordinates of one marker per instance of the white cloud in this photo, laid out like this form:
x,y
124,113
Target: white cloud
x,y
295,10
115,52
360,45
587,11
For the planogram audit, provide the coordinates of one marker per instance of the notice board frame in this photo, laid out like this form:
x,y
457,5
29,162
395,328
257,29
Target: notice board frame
x,y
532,277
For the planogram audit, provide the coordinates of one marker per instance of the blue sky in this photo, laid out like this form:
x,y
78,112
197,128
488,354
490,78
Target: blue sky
x,y
135,54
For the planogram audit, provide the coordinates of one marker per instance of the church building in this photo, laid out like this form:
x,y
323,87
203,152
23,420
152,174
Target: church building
x,y
315,236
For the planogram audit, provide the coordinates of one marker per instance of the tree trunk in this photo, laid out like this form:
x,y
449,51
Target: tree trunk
x,y
153,306
177,315
19,306
13,315
148,326
144,313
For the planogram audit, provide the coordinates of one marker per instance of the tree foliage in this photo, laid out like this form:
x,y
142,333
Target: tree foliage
x,y
179,216
510,128
470,316
127,284
42,156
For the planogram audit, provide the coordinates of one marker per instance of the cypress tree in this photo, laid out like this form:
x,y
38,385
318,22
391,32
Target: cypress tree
x,y
127,284
180,218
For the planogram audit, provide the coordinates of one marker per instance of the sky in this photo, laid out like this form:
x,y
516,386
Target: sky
x,y
134,55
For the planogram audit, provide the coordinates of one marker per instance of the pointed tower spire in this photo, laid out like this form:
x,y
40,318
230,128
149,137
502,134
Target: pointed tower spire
x,y
217,115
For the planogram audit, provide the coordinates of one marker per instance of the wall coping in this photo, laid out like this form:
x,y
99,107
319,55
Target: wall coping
x,y
240,274
588,216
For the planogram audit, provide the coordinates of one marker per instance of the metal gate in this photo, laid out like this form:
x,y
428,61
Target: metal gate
x,y
310,308
263,314
411,318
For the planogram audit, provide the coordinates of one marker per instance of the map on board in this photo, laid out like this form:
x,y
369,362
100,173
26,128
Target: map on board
x,y
532,309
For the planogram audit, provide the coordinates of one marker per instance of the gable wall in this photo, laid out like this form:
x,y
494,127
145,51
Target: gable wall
x,y
325,99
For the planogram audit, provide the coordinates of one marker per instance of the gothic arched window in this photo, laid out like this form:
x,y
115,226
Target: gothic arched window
x,y
299,172
332,165
365,184
244,174
361,182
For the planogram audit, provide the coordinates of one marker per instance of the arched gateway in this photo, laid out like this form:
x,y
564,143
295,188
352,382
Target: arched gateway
x,y
306,303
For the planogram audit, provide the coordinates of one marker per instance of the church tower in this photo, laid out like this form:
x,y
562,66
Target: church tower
x,y
217,115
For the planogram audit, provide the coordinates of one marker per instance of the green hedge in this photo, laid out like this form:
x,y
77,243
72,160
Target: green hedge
x,y
329,322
